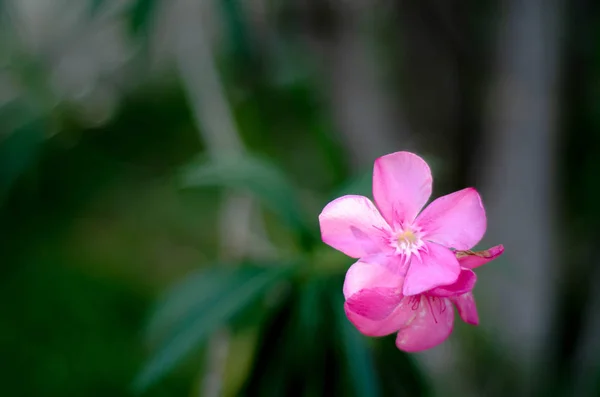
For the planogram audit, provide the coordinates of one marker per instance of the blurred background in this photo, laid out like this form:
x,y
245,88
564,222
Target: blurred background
x,y
163,164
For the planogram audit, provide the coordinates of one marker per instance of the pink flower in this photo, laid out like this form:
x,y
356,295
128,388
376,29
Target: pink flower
x,y
416,246
377,307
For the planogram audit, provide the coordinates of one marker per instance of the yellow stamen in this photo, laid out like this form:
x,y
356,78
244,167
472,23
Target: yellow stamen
x,y
407,237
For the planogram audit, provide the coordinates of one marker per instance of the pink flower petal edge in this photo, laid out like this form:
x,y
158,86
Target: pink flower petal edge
x,y
456,220
465,283
474,259
402,184
376,306
437,266
353,225
365,280
467,309
374,303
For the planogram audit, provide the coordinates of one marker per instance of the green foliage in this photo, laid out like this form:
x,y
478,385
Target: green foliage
x,y
259,177
68,333
239,34
141,15
308,348
358,356
220,294
20,142
296,340
307,330
185,298
269,376
401,371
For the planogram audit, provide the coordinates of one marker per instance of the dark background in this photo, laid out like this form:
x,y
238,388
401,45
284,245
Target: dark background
x,y
163,163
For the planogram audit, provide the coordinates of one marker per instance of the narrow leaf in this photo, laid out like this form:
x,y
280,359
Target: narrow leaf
x,y
141,14
19,148
359,359
235,292
401,371
268,376
238,31
187,296
261,178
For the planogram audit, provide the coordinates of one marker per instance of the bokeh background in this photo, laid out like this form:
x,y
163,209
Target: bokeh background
x,y
163,163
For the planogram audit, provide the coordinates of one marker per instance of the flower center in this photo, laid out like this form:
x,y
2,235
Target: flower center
x,y
407,241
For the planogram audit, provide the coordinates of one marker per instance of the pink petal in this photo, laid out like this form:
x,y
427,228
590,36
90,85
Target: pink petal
x,y
431,326
371,272
373,296
401,186
456,220
465,283
353,225
466,308
392,323
471,260
374,304
436,266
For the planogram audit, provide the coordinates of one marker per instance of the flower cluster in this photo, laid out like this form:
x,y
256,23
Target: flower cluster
x,y
413,265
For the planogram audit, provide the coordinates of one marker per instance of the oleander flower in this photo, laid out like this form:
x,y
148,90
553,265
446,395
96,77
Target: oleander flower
x,y
414,247
377,307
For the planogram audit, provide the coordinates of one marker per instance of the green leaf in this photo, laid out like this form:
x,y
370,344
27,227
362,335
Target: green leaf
x,y
297,354
232,292
240,359
187,296
19,149
401,371
261,178
239,34
312,336
268,377
359,360
141,14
